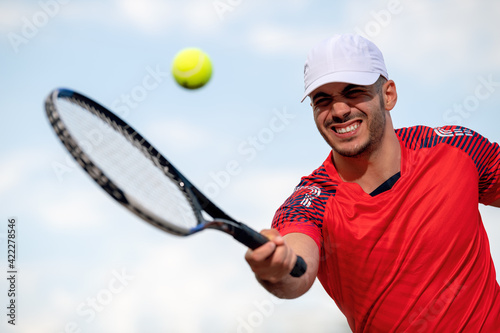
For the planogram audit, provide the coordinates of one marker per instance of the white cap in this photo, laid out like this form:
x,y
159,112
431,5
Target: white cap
x,y
343,58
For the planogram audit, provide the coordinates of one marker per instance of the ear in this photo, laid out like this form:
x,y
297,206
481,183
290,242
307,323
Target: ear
x,y
390,95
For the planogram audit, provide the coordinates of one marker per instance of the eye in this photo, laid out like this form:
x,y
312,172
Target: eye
x,y
354,93
322,101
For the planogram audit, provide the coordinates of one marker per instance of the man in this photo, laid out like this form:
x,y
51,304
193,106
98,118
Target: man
x,y
390,222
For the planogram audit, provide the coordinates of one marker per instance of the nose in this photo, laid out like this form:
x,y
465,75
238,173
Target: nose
x,y
340,109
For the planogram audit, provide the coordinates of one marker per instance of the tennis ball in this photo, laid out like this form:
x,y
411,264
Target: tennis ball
x,y
192,68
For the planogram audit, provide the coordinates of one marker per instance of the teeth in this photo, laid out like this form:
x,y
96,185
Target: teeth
x,y
347,129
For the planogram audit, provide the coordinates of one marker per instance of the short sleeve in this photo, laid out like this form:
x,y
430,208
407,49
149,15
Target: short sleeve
x,y
303,211
484,154
488,164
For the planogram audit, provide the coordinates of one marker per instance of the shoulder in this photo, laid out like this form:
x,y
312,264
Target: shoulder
x,y
312,193
483,153
418,137
310,196
320,180
303,210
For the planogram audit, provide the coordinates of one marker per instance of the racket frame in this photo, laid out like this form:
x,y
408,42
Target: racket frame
x,y
198,201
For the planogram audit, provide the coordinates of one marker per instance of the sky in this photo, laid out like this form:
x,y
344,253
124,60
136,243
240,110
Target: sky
x,y
84,263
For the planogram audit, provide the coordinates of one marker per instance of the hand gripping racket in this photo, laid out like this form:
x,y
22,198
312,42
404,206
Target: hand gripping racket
x,y
136,175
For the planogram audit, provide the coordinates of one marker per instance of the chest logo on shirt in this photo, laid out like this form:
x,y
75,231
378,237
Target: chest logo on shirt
x,y
458,131
311,192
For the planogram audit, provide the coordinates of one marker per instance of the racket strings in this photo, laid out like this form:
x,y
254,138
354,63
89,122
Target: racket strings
x,y
128,164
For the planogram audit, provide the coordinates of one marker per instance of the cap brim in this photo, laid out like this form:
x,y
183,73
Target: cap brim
x,y
359,78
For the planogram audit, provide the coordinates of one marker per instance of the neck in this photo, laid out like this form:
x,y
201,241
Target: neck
x,y
371,169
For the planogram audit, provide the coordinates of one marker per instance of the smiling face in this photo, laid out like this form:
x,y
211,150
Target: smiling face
x,y
352,118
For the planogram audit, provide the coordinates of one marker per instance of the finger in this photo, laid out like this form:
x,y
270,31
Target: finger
x,y
276,267
261,253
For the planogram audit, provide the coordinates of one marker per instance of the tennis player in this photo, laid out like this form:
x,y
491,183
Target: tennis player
x,y
389,223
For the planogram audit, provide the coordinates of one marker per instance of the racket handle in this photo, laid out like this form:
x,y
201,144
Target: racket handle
x,y
300,267
253,240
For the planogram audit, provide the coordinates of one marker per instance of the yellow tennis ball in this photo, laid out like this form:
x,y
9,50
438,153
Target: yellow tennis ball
x,y
192,68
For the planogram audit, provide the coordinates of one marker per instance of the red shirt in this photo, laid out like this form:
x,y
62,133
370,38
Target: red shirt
x,y
416,257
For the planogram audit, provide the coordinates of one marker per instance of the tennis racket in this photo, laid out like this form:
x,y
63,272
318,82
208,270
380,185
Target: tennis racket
x,y
136,175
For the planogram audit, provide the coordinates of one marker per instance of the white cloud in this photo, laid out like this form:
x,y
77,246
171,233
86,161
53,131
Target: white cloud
x,y
194,287
151,16
74,202
199,16
154,17
275,39
15,167
181,134
11,13
429,40
78,207
436,40
88,12
264,191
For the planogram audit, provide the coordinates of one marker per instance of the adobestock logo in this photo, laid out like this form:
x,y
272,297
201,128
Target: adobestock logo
x,y
224,6
380,19
31,27
422,318
89,309
460,111
263,309
130,100
248,150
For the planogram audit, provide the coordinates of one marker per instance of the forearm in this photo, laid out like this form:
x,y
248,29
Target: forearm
x,y
290,287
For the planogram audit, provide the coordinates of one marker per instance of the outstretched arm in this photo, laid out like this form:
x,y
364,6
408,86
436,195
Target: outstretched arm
x,y
273,262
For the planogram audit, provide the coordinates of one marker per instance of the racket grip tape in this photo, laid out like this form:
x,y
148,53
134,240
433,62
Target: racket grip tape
x,y
253,240
300,267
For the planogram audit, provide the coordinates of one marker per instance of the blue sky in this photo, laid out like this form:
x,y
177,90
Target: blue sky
x,y
85,263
